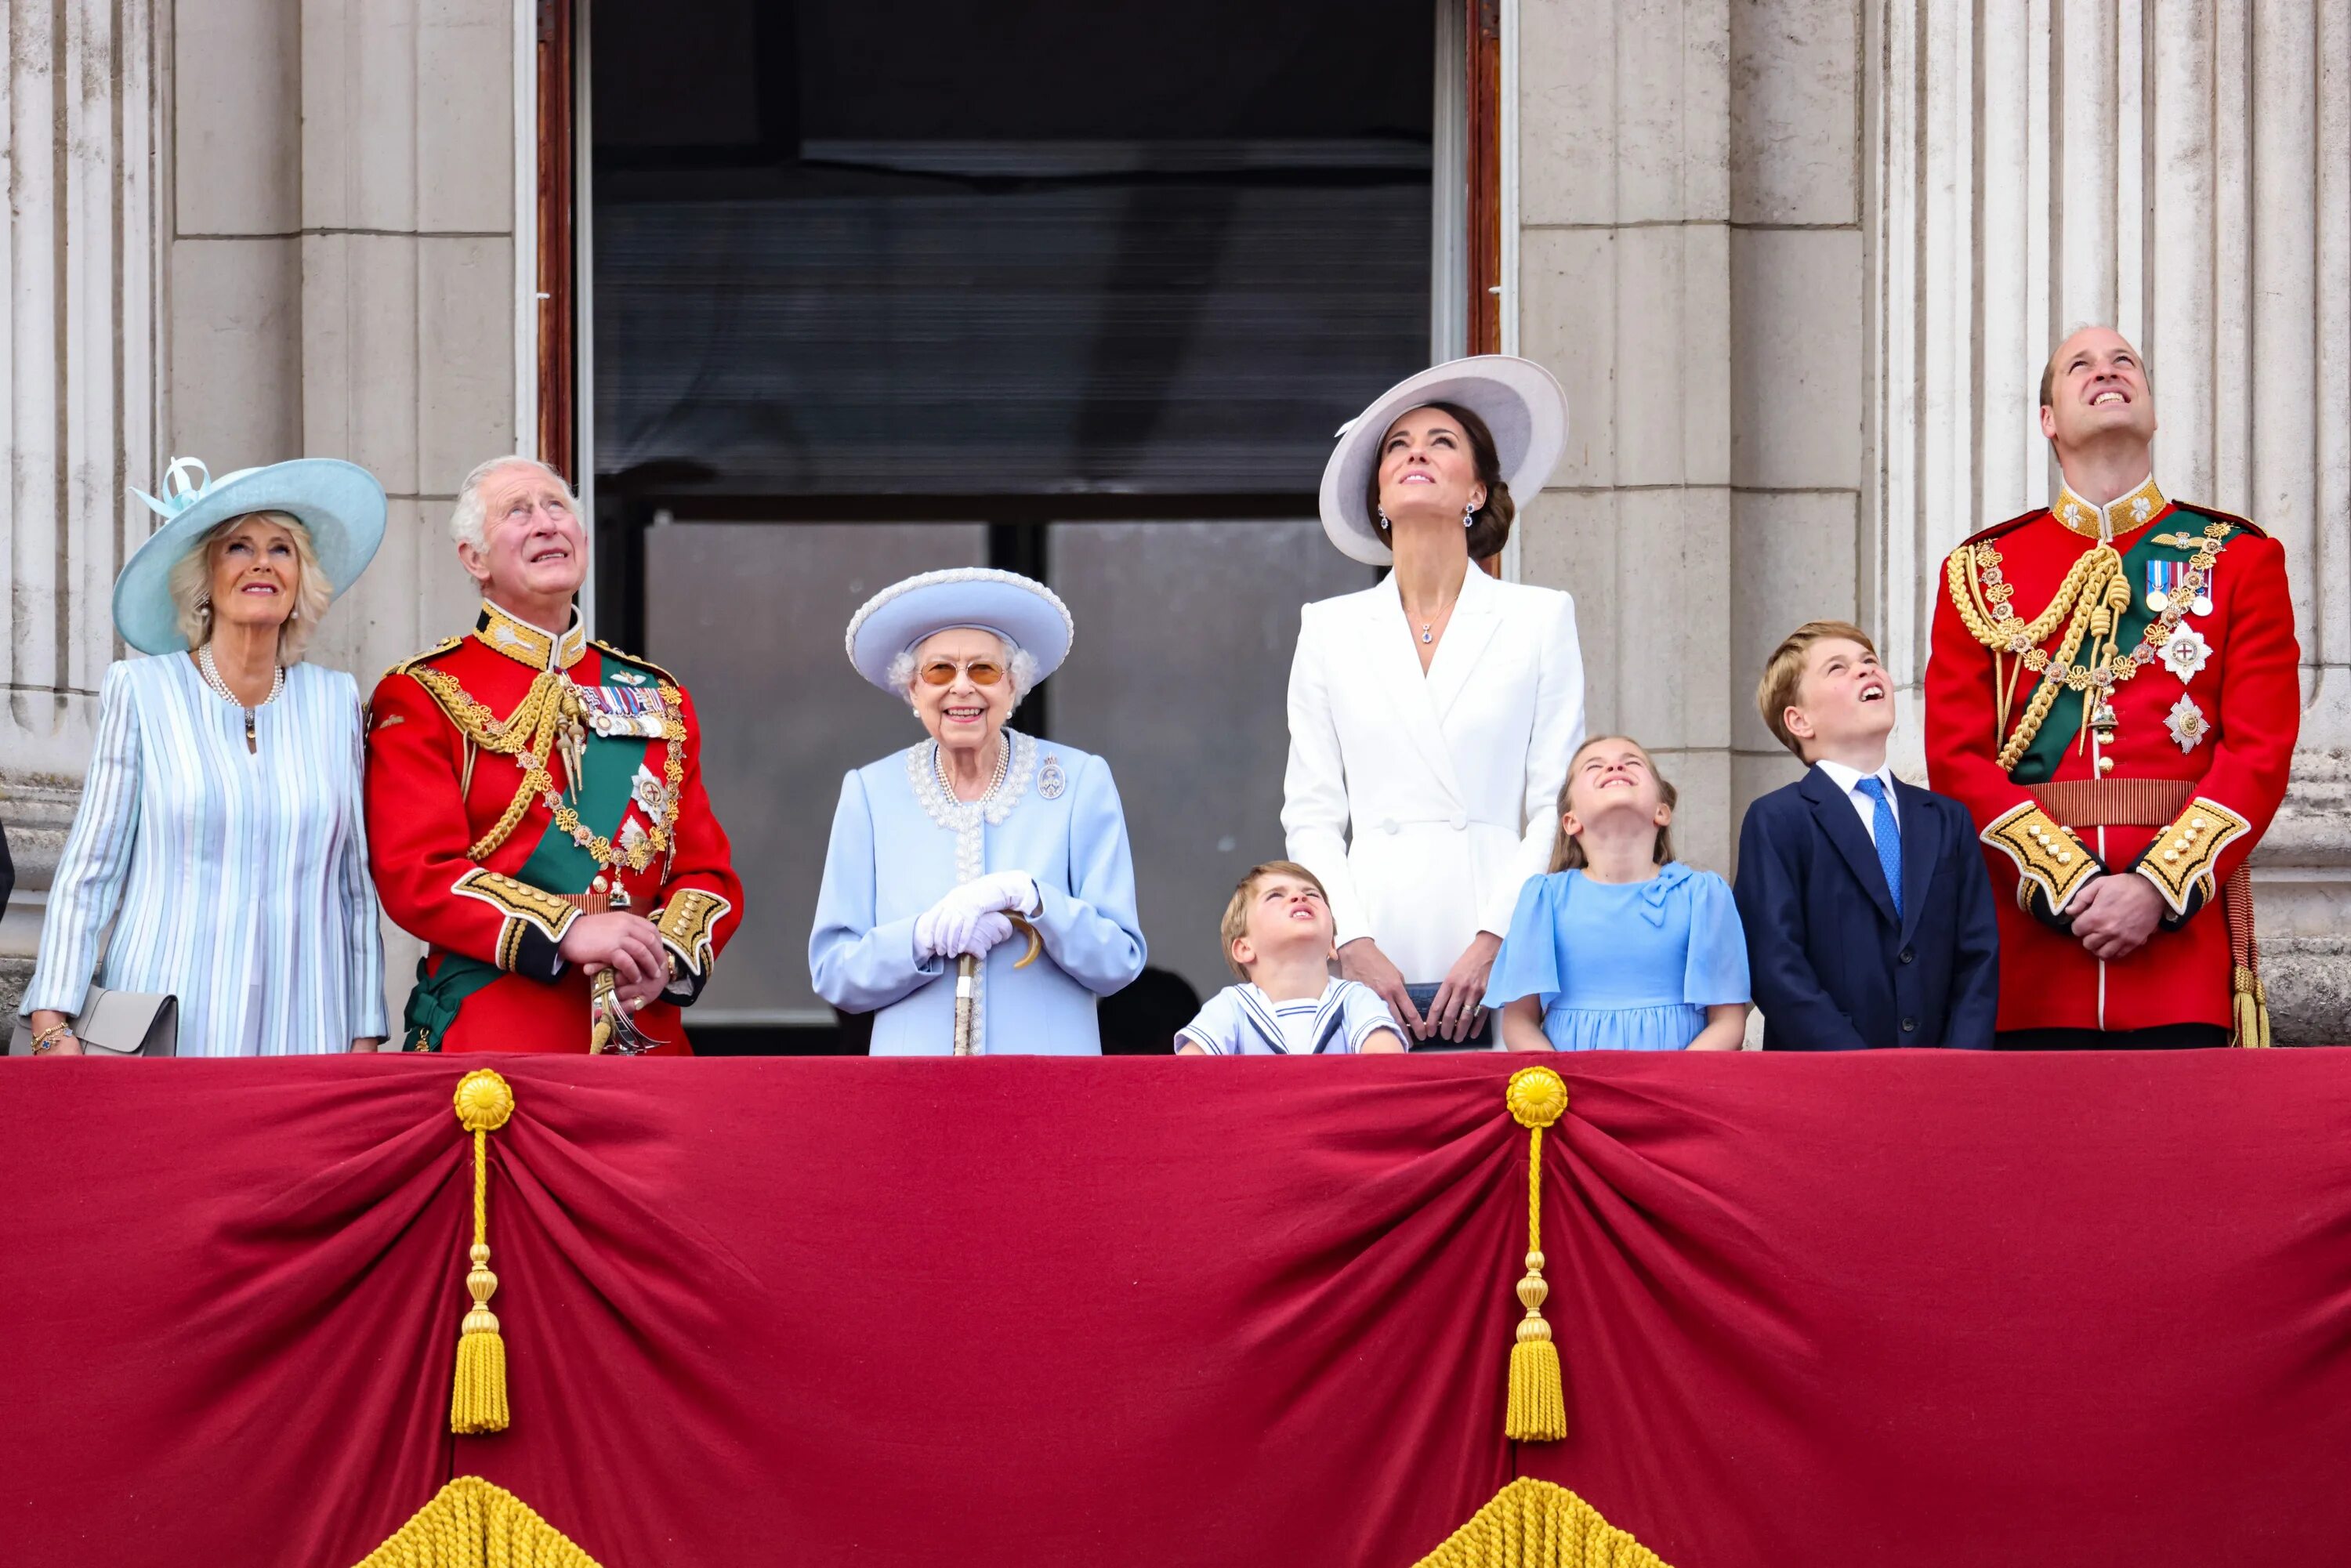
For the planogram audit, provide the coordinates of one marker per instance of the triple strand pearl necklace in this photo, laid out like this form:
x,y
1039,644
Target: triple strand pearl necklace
x,y
939,762
211,674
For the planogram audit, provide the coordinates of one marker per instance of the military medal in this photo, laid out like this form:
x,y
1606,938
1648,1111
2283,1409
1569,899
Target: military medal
x,y
2186,724
649,793
2185,653
624,710
2163,579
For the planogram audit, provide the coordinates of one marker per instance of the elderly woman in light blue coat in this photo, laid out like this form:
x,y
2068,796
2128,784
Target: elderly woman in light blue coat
x,y
937,848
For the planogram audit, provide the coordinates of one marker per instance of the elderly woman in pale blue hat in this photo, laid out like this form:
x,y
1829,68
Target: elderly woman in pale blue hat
x,y
221,834
951,848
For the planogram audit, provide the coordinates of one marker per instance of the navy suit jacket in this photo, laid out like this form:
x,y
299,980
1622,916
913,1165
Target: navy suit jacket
x,y
1833,968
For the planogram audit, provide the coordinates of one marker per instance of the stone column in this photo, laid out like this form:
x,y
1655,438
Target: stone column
x,y
78,280
1625,278
2182,169
1691,268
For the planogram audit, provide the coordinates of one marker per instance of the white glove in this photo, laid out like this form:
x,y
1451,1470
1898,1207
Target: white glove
x,y
950,934
1012,891
990,927
970,918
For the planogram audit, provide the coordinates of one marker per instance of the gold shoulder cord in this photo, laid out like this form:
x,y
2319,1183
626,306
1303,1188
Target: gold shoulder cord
x,y
2094,593
528,734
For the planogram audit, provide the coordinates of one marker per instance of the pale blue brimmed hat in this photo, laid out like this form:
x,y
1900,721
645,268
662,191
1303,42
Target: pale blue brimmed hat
x,y
1520,401
341,503
898,618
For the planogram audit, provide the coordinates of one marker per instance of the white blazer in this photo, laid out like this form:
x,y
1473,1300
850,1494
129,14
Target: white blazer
x,y
1424,801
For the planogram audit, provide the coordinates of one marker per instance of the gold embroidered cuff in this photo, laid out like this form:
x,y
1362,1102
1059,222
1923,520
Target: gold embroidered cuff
x,y
2181,861
2046,856
526,908
685,924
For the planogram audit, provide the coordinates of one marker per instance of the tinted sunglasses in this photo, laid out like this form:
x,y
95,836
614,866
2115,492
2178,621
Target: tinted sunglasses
x,y
942,671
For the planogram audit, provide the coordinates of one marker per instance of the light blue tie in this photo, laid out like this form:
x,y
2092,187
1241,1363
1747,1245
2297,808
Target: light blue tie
x,y
1889,839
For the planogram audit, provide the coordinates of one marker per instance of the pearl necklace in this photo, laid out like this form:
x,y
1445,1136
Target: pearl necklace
x,y
211,673
1003,766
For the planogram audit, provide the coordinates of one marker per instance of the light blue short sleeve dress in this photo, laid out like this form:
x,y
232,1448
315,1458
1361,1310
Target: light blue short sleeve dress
x,y
1623,965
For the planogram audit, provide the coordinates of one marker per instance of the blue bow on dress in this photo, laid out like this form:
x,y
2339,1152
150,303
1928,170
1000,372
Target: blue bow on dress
x,y
1670,875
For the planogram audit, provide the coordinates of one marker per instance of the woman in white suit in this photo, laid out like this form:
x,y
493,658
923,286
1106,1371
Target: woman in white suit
x,y
1432,717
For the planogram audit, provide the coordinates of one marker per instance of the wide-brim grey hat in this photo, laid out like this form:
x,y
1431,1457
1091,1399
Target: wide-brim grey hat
x,y
339,502
897,619
1519,401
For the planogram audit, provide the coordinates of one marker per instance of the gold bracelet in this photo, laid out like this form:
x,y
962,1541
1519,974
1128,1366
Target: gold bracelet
x,y
47,1040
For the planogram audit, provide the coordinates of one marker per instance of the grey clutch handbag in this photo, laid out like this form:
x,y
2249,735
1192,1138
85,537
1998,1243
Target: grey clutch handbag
x,y
117,1023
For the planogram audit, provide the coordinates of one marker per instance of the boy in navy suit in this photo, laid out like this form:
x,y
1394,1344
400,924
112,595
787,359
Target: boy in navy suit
x,y
1867,907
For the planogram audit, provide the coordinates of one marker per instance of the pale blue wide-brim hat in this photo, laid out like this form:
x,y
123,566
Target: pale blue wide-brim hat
x,y
1520,401
897,619
341,503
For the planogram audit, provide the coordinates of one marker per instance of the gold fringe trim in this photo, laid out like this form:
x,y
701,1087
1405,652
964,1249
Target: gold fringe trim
x,y
1536,1411
477,1401
1536,1524
470,1523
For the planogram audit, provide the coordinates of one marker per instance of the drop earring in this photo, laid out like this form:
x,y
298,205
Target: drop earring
x,y
1469,513
1383,512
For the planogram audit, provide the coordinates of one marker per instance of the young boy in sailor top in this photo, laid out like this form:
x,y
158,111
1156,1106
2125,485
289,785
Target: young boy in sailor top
x,y
1277,936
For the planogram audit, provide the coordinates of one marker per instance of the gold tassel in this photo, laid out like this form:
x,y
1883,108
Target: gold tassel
x,y
2250,1009
1537,1410
478,1403
470,1523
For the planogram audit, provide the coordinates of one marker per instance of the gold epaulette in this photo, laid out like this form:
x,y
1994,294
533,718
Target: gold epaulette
x,y
2234,522
408,666
637,659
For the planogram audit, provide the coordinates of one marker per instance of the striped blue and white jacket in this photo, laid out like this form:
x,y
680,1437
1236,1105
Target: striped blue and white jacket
x,y
235,881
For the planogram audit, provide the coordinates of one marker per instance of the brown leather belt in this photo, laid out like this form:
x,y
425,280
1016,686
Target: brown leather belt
x,y
2116,802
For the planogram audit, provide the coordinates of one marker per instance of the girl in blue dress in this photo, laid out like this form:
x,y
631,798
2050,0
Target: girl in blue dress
x,y
1621,947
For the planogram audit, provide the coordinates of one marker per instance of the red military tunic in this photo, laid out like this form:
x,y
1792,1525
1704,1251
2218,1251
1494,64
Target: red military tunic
x,y
470,854
2161,748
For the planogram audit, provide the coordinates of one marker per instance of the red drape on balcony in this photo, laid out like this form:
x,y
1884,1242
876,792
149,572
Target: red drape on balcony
x,y
1924,1309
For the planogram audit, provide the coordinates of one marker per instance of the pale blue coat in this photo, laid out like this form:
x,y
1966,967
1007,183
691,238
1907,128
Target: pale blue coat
x,y
900,842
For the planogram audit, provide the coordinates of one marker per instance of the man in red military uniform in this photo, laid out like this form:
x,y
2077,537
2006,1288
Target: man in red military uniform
x,y
535,807
2113,693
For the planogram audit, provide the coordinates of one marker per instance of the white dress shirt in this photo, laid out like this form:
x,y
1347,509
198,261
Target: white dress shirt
x,y
1849,780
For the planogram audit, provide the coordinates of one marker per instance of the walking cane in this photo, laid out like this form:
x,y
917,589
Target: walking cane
x,y
967,982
